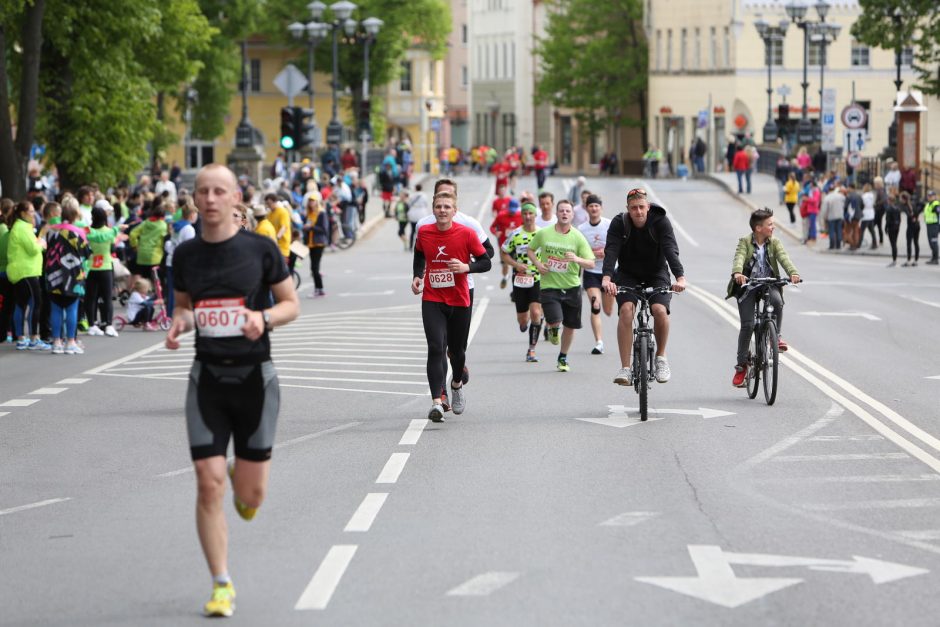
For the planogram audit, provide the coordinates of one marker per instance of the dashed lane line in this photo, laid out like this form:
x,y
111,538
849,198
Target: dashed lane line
x,y
23,508
72,381
48,391
483,585
366,513
393,468
413,432
317,594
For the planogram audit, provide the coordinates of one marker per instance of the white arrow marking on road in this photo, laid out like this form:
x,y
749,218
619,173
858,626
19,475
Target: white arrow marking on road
x,y
629,519
851,314
716,583
620,416
383,293
934,377
483,585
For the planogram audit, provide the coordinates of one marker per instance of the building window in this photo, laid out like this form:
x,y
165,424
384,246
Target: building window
x,y
486,61
773,52
512,59
713,49
463,76
668,49
199,154
567,139
659,49
683,50
907,56
463,34
697,50
860,55
726,57
254,76
815,53
404,82
509,130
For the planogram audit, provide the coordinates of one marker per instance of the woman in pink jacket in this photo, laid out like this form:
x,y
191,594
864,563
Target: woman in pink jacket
x,y
809,209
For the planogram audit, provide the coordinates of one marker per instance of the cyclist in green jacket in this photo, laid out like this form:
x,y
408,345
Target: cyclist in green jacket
x,y
758,255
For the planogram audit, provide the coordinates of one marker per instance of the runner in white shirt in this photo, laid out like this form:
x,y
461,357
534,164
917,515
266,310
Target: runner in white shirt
x,y
595,231
547,208
580,210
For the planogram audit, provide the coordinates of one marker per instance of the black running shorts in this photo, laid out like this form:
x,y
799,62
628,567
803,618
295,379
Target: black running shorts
x,y
562,306
232,402
525,296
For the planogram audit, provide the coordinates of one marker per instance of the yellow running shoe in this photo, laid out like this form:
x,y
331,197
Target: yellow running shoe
x,y
222,602
247,513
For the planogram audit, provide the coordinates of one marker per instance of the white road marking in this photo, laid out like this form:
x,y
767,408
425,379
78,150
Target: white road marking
x,y
834,412
279,445
841,314
629,519
933,377
619,416
23,508
845,438
382,293
20,402
478,312
840,457
485,205
332,389
724,310
365,514
875,504
413,432
338,370
393,468
350,380
72,381
921,534
48,391
851,479
929,303
4,413
483,585
133,356
317,594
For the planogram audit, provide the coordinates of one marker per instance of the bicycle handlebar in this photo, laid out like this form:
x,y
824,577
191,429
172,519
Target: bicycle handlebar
x,y
644,291
768,281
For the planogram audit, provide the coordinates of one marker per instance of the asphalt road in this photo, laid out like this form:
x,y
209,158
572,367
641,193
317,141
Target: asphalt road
x,y
546,503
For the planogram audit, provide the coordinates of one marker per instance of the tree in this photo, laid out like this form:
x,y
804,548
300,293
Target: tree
x,y
918,25
423,23
101,65
593,59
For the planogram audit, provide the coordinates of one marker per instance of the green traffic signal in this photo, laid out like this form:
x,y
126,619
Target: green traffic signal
x,y
287,142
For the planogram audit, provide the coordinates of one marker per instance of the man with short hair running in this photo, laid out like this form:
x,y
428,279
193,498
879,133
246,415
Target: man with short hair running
x,y
222,279
444,254
595,231
525,278
546,216
559,253
641,249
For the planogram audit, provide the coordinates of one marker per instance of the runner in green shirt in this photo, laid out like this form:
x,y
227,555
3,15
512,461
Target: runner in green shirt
x,y
559,252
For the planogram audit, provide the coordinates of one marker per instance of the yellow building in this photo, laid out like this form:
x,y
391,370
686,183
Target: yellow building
x,y
414,106
708,74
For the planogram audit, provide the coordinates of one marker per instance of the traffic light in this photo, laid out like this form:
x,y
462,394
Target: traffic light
x,y
288,131
365,115
784,113
303,131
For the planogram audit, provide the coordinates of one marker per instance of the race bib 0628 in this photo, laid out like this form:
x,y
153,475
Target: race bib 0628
x,y
554,264
219,317
444,278
523,280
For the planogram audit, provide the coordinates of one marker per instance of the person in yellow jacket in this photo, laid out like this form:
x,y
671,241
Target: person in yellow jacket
x,y
791,192
263,226
279,217
316,237
24,268
147,239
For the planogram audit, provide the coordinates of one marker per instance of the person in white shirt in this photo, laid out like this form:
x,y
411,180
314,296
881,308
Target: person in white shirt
x,y
868,216
893,177
547,208
595,232
166,185
580,210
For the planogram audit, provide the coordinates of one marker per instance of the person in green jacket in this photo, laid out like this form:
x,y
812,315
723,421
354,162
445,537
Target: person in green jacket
x,y
758,255
24,269
100,281
147,239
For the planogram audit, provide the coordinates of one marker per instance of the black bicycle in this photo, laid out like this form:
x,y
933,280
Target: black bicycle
x,y
644,342
763,354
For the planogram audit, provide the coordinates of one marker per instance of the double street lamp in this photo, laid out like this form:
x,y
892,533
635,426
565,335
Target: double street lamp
x,y
796,11
315,32
773,38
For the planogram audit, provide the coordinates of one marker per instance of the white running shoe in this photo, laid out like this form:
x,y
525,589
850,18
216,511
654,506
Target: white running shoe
x,y
95,330
662,370
110,331
598,348
624,377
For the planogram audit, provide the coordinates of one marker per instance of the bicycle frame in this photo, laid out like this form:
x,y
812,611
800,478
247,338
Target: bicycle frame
x,y
764,354
644,341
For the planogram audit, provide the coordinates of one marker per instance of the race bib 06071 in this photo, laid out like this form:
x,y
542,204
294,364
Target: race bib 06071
x,y
219,317
523,280
444,278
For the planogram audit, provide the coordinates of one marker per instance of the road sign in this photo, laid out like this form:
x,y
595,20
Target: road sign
x,y
854,116
783,91
829,119
854,140
334,132
290,81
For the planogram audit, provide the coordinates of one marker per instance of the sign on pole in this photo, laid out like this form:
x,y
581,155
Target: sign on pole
x,y
290,81
854,116
854,159
854,140
829,119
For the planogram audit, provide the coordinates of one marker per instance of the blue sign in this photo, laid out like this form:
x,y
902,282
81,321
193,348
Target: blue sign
x,y
435,124
829,118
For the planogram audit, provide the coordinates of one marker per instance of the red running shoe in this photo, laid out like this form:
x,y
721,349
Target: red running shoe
x,y
740,373
781,345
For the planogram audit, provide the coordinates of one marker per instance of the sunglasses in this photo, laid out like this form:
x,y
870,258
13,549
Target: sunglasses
x,y
639,191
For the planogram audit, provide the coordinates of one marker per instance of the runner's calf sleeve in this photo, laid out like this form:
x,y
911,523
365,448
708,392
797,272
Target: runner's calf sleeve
x,y
534,331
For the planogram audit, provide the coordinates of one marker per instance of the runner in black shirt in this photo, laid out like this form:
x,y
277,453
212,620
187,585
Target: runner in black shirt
x,y
222,280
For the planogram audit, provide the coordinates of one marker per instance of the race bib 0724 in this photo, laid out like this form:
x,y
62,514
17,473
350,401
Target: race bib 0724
x,y
219,317
554,264
523,280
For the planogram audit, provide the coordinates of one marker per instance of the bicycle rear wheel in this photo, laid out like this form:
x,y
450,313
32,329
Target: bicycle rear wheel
x,y
753,365
641,374
771,361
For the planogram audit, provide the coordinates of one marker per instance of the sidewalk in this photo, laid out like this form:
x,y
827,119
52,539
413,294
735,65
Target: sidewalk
x,y
378,218
764,194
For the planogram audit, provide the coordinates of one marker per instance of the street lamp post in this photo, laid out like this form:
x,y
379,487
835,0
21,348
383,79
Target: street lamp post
x,y
825,34
893,129
342,11
796,11
770,34
372,25
315,32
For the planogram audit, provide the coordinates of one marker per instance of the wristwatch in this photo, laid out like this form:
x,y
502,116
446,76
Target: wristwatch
x,y
267,320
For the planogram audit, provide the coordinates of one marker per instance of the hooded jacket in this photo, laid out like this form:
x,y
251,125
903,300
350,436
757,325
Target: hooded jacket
x,y
65,261
655,243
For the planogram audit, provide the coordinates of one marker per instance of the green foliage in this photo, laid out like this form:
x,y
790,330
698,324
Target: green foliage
x,y
593,59
919,26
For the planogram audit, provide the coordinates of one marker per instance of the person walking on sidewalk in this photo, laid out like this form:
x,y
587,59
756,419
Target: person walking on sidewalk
x,y
868,216
881,197
791,193
853,217
912,227
831,213
893,223
932,220
809,210
742,168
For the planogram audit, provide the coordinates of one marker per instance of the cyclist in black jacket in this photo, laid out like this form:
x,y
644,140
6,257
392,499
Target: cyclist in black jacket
x,y
641,248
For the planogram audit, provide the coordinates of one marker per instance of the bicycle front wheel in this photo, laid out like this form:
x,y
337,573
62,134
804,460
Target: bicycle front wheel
x,y
641,373
771,361
345,242
753,365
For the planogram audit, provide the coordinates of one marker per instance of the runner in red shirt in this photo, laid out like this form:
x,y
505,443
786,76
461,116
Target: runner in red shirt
x,y
501,201
502,170
541,165
512,158
444,253
505,222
